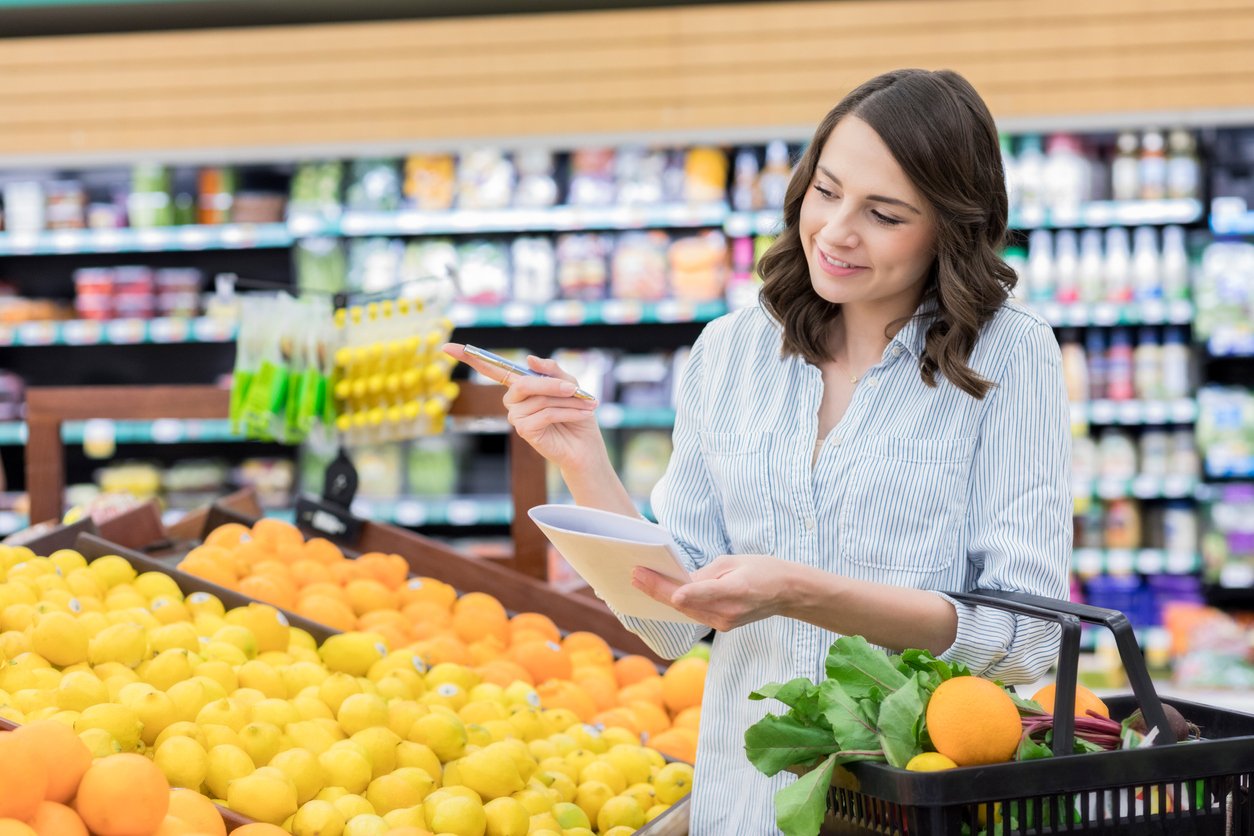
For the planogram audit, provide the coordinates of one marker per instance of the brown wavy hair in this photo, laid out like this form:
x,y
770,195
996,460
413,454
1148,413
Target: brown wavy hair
x,y
942,135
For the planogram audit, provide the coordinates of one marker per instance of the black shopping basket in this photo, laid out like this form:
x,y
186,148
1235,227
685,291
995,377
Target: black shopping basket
x,y
1198,787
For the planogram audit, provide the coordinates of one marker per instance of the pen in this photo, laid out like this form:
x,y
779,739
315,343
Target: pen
x,y
505,365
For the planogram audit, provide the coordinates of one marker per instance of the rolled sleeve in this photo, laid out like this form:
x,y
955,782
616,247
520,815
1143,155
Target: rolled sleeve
x,y
685,504
1020,515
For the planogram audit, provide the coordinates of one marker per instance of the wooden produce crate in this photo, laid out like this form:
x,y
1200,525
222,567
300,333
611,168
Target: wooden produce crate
x,y
674,822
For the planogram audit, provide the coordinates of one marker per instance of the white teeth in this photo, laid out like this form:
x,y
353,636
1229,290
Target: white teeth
x,y
836,262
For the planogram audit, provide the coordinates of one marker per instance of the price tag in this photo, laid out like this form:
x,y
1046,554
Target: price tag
x,y
1178,487
209,330
1156,412
238,235
1104,313
37,333
622,311
1184,411
463,512
412,222
67,241
1100,213
333,522
1153,311
354,223
1102,412
565,313
1031,216
106,240
1180,311
1237,575
1120,561
1087,562
303,225
462,314
518,313
1131,412
738,225
167,431
1145,486
194,237
82,332
152,239
1112,488
23,242
1150,561
125,331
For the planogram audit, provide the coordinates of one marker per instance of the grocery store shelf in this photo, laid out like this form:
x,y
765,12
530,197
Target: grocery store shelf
x,y
571,312
160,431
745,224
1179,411
118,332
1142,486
1126,561
156,239
11,522
609,416
1146,312
1231,216
1112,213
416,511
486,221
1231,341
1229,467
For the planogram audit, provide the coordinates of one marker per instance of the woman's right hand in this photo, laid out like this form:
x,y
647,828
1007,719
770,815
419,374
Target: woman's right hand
x,y
544,410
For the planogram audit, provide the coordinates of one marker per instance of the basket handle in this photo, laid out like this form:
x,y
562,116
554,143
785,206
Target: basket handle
x,y
1064,612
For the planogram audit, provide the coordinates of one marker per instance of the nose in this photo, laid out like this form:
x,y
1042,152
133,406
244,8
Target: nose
x,y
839,229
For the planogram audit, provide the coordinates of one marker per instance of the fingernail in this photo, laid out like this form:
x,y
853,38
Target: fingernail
x,y
567,388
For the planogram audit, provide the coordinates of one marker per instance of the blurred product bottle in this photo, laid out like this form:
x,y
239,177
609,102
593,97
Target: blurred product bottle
x,y
1118,266
1017,258
1146,266
1177,378
1091,527
1123,524
1074,366
1031,171
1184,459
1120,379
1041,266
1116,454
1154,450
1096,351
1183,167
745,181
1147,365
1084,464
1090,279
1180,532
776,171
1125,169
1174,264
1066,176
216,195
1153,168
1011,168
1066,266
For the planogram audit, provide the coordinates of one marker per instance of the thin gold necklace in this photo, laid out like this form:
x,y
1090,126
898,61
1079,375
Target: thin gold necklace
x,y
853,378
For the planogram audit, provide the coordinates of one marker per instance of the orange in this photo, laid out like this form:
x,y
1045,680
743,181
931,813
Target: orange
x,y
683,684
534,622
275,533
250,553
443,649
270,589
689,718
329,611
420,631
289,553
306,571
1085,701
63,753
171,826
329,587
680,744
486,649
344,571
619,717
503,672
13,827
477,614
646,690
197,811
378,617
600,685
589,647
393,636
216,554
632,669
123,795
391,570
428,611
23,777
544,660
272,566
53,819
228,536
430,590
972,721
208,570
367,595
322,550
558,693
650,717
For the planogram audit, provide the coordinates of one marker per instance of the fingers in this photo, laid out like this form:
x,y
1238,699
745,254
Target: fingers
x,y
458,352
533,423
546,365
658,587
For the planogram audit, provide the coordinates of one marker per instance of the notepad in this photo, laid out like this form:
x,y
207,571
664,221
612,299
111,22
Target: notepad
x,y
604,547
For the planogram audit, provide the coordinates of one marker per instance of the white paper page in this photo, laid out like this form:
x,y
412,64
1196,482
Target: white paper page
x,y
604,547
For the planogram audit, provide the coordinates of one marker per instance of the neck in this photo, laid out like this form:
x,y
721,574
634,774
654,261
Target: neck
x,y
859,336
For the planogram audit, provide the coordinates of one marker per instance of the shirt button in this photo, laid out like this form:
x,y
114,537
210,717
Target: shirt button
x,y
875,381
896,351
836,439
809,523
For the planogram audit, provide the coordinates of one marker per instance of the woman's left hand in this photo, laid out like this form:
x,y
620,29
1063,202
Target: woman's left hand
x,y
733,590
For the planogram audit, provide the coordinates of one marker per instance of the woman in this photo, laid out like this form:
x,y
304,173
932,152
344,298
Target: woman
x,y
885,427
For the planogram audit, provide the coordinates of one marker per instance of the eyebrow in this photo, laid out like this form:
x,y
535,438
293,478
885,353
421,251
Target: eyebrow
x,y
878,198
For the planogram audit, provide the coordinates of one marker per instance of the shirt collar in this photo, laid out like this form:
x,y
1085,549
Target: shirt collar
x,y
913,335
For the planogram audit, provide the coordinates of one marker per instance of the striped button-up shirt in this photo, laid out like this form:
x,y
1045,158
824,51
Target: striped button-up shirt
x,y
916,486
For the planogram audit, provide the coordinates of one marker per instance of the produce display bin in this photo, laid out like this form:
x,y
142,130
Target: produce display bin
x,y
1193,787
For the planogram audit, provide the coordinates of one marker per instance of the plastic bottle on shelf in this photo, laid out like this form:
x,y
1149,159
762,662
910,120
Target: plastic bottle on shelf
x,y
1074,366
1154,450
773,182
1066,178
1090,278
1183,459
1041,266
1116,454
1174,264
1184,175
1153,168
1096,351
1180,527
1092,527
1118,266
1030,165
1066,266
745,197
1147,365
1123,524
1177,379
1010,166
1084,459
1146,266
1125,169
1119,380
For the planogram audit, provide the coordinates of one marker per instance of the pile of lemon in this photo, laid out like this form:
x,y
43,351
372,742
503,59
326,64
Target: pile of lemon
x,y
352,737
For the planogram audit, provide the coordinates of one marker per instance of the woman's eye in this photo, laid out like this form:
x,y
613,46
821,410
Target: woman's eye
x,y
885,219
825,192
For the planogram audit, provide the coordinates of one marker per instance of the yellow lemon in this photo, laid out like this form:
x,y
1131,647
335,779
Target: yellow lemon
x,y
99,742
361,711
121,723
79,689
366,824
167,668
418,755
181,635
620,811
570,815
379,744
59,638
268,626
490,774
673,782
930,762
445,734
126,644
112,570
346,768
265,795
302,769
351,805
461,816
184,762
261,741
591,796
226,764
402,788
318,818
506,817
353,653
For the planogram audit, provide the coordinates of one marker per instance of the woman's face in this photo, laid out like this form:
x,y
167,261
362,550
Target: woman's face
x,y
869,235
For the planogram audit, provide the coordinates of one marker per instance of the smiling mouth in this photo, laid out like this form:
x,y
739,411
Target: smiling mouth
x,y
836,262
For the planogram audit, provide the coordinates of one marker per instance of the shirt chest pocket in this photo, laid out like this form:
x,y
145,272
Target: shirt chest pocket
x,y
905,507
740,474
